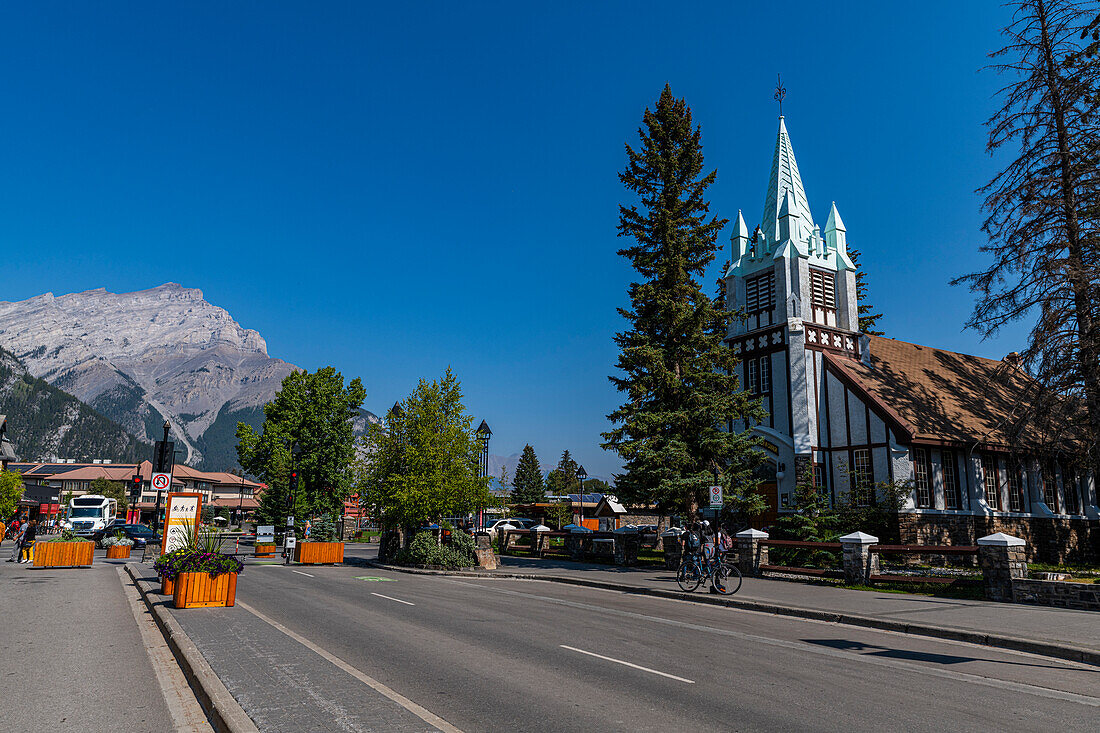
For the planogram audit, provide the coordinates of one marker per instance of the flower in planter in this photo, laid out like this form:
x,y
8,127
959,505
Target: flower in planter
x,y
67,535
195,560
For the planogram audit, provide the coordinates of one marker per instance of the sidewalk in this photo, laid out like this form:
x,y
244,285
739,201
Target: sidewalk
x,y
1023,627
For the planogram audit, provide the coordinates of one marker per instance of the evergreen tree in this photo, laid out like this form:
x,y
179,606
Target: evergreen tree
x,y
527,486
316,411
677,373
867,315
563,479
112,490
1043,224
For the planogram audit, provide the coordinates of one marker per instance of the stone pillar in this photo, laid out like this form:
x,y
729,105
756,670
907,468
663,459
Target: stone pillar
x,y
626,549
750,554
1001,557
486,558
859,562
575,546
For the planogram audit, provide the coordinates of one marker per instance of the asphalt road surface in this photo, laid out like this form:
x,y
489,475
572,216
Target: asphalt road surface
x,y
528,655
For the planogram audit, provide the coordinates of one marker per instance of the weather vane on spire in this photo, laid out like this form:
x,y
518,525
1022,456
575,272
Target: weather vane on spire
x,y
780,93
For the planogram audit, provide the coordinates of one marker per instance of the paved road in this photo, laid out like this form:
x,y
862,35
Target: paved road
x,y
72,656
508,655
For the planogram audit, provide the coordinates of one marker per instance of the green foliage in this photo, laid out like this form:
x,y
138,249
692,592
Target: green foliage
x,y
11,491
324,529
596,486
563,479
527,485
66,535
424,550
678,375
195,560
112,490
880,518
560,513
316,411
867,316
423,464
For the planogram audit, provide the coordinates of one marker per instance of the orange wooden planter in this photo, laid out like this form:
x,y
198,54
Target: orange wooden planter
x,y
199,590
319,553
167,586
265,550
118,552
63,554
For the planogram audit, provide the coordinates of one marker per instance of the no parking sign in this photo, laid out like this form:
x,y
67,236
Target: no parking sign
x,y
715,497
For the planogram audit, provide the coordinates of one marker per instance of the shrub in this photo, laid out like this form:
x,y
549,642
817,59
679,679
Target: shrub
x,y
424,550
67,535
193,560
323,530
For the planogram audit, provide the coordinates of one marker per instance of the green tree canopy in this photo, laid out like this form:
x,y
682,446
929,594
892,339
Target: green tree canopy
x,y
677,373
112,490
563,479
423,463
527,486
316,411
11,491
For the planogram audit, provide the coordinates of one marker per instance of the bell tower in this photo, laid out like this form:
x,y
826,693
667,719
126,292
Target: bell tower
x,y
797,290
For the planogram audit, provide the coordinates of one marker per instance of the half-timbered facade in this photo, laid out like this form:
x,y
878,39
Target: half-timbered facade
x,y
861,410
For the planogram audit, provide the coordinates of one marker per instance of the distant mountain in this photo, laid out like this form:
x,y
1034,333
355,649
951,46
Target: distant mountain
x,y
45,422
145,357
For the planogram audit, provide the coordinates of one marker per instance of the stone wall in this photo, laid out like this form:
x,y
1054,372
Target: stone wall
x,y
1085,596
1052,540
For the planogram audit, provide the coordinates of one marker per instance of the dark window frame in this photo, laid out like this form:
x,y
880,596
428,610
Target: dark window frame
x,y
949,465
922,478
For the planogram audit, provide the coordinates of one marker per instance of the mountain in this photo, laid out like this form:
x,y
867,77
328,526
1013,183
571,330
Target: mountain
x,y
145,357
44,421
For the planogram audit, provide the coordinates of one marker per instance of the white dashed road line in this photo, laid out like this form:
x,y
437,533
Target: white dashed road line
x,y
388,598
301,573
627,664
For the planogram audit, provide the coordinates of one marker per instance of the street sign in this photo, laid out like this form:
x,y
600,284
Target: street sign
x,y
290,521
265,533
715,497
162,481
181,516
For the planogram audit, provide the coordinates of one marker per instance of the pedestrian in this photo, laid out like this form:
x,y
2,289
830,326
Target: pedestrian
x,y
3,531
28,542
18,542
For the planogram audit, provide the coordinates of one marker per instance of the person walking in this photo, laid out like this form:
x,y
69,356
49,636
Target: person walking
x,y
18,543
29,535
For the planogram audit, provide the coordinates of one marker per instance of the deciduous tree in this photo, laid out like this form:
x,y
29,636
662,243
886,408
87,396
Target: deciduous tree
x,y
11,491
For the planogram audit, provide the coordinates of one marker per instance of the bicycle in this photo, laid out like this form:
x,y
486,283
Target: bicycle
x,y
725,579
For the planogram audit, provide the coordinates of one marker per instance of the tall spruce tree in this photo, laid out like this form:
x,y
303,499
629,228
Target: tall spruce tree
x,y
1043,222
677,373
527,486
563,479
867,316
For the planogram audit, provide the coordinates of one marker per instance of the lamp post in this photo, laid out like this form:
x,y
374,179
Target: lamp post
x,y
483,435
581,476
240,505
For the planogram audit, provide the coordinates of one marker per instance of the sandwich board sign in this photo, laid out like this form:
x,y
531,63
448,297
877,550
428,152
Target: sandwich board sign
x,y
162,481
181,517
715,497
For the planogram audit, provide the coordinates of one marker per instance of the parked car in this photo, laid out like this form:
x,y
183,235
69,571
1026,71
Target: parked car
x,y
494,529
139,533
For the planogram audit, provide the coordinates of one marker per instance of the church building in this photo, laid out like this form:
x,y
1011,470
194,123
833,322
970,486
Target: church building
x,y
860,409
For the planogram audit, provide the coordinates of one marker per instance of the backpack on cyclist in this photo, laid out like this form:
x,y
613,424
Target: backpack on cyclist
x,y
692,541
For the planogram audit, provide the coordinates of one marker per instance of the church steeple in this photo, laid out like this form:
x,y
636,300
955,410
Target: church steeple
x,y
785,178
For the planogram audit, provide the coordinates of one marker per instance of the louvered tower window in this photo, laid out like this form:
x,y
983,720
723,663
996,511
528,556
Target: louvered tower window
x,y
760,293
823,297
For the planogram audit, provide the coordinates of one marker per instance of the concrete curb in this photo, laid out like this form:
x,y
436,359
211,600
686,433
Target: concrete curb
x,y
1031,646
223,711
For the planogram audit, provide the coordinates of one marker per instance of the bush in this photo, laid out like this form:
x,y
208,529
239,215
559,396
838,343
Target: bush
x,y
67,535
323,530
193,560
423,550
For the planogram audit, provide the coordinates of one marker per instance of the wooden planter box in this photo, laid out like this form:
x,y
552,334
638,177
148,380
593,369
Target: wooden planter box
x,y
199,590
167,586
63,554
119,552
319,553
265,550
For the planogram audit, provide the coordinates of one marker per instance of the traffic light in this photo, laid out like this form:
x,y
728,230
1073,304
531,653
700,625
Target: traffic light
x,y
292,490
293,481
135,486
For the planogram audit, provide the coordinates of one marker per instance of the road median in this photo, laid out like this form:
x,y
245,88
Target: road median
x,y
1068,652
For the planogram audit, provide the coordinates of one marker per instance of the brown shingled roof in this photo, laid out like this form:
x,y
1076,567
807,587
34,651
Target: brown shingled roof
x,y
937,395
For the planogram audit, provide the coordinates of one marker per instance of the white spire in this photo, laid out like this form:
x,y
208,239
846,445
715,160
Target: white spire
x,y
785,178
740,237
836,238
835,222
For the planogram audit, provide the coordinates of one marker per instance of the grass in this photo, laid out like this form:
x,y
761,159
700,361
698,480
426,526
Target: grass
x,y
962,592
1071,568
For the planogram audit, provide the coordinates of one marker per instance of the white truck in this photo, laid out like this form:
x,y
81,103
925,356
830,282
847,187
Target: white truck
x,y
87,514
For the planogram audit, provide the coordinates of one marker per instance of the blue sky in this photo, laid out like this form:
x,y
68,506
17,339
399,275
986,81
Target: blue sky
x,y
394,188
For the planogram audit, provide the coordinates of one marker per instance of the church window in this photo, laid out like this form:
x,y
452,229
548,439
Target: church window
x,y
862,479
989,481
819,476
750,365
950,481
1069,489
1015,488
760,293
823,297
1050,488
922,477
765,374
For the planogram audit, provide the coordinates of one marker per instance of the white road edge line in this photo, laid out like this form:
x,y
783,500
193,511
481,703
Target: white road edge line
x,y
627,664
301,573
388,598
424,714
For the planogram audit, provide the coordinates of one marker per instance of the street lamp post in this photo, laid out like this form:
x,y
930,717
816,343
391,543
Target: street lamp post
x,y
581,476
483,435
